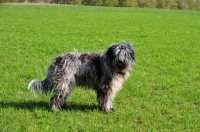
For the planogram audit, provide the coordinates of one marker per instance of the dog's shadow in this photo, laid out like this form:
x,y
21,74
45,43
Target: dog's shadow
x,y
31,106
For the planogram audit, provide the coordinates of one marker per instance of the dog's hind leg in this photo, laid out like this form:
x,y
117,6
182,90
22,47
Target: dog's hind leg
x,y
61,93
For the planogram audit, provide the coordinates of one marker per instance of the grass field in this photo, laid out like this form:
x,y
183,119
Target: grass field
x,y
162,93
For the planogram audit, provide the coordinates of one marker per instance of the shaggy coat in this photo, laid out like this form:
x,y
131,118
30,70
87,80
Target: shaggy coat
x,y
105,73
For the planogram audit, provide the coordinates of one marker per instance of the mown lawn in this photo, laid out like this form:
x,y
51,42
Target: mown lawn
x,y
162,93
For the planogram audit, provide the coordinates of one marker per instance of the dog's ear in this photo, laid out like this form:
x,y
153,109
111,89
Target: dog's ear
x,y
132,53
110,52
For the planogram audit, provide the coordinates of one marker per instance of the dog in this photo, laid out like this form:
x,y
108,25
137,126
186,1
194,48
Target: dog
x,y
105,73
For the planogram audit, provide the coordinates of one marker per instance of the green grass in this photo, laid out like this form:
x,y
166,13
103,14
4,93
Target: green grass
x,y
162,93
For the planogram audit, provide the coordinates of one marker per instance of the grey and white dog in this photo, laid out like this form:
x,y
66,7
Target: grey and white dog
x,y
104,73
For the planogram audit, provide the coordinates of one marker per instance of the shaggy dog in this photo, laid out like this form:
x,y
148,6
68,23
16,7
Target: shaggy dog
x,y
104,73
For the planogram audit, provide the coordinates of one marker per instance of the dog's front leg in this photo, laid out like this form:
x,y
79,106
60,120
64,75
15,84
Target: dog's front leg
x,y
104,97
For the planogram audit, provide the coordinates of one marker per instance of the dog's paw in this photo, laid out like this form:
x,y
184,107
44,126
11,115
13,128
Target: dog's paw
x,y
54,108
107,110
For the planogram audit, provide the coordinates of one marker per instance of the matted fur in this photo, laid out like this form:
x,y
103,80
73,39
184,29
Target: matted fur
x,y
104,73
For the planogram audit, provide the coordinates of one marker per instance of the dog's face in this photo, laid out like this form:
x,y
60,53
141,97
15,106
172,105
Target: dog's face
x,y
121,56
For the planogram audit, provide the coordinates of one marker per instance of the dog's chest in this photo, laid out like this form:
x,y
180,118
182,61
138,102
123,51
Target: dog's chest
x,y
118,81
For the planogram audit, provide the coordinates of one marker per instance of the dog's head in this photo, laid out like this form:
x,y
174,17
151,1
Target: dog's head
x,y
121,56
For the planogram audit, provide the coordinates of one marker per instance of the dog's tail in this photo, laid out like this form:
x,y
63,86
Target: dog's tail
x,y
40,87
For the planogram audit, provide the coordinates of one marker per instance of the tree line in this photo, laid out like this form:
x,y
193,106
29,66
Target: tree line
x,y
164,4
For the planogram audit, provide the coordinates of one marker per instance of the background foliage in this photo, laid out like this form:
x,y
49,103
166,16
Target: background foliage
x,y
164,4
